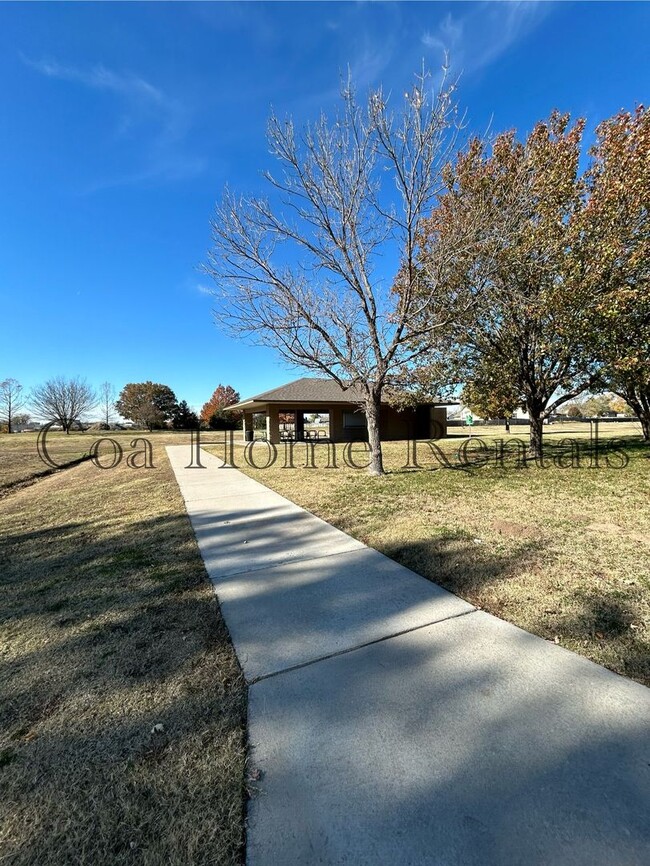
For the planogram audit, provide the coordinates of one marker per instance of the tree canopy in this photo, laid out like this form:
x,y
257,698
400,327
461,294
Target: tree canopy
x,y
148,404
616,227
212,412
106,401
12,399
184,418
491,393
523,301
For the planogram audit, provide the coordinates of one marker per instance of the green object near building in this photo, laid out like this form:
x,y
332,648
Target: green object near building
x,y
469,420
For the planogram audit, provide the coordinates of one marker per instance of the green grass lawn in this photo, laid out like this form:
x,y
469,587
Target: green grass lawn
x,y
561,552
110,628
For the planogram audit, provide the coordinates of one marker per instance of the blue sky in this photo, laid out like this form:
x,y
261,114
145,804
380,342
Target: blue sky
x,y
121,124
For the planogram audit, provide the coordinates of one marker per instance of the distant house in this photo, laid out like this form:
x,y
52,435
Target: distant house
x,y
460,412
280,414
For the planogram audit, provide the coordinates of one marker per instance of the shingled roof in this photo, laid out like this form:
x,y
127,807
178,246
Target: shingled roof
x,y
312,390
306,390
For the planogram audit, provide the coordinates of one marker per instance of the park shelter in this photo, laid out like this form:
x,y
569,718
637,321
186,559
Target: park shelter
x,y
311,408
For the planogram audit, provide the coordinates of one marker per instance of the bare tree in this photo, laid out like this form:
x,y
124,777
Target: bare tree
x,y
107,395
304,274
64,401
12,399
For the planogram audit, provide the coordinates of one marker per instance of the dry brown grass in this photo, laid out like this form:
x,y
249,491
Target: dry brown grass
x,y
110,628
20,463
563,553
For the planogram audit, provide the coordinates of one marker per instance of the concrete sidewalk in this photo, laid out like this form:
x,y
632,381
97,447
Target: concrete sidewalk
x,y
395,724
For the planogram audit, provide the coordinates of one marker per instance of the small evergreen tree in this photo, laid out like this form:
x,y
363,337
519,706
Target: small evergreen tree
x,y
184,418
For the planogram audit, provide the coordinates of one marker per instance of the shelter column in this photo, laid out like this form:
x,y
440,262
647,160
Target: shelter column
x,y
273,425
336,423
246,423
300,425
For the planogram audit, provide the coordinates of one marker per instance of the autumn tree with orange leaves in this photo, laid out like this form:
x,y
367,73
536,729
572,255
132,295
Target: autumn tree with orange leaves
x,y
519,285
616,232
213,413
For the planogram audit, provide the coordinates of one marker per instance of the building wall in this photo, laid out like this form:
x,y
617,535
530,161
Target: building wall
x,y
397,425
425,422
438,427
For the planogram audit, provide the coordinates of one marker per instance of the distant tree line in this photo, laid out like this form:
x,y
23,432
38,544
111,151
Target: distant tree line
x,y
70,402
598,406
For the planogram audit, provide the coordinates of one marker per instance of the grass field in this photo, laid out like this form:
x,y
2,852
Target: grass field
x,y
122,723
561,552
20,461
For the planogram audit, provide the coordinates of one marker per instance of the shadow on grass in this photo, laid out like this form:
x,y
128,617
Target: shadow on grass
x,y
34,475
462,565
86,591
600,620
611,627
106,635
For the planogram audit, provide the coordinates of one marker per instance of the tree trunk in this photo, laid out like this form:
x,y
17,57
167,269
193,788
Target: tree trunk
x,y
373,402
643,412
639,401
536,433
644,418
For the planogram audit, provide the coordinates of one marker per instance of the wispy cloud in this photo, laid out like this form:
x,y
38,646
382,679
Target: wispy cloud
x,y
447,35
99,77
477,38
369,64
156,122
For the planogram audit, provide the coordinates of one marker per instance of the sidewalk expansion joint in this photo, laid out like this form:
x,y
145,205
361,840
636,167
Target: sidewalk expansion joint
x,y
266,567
360,646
